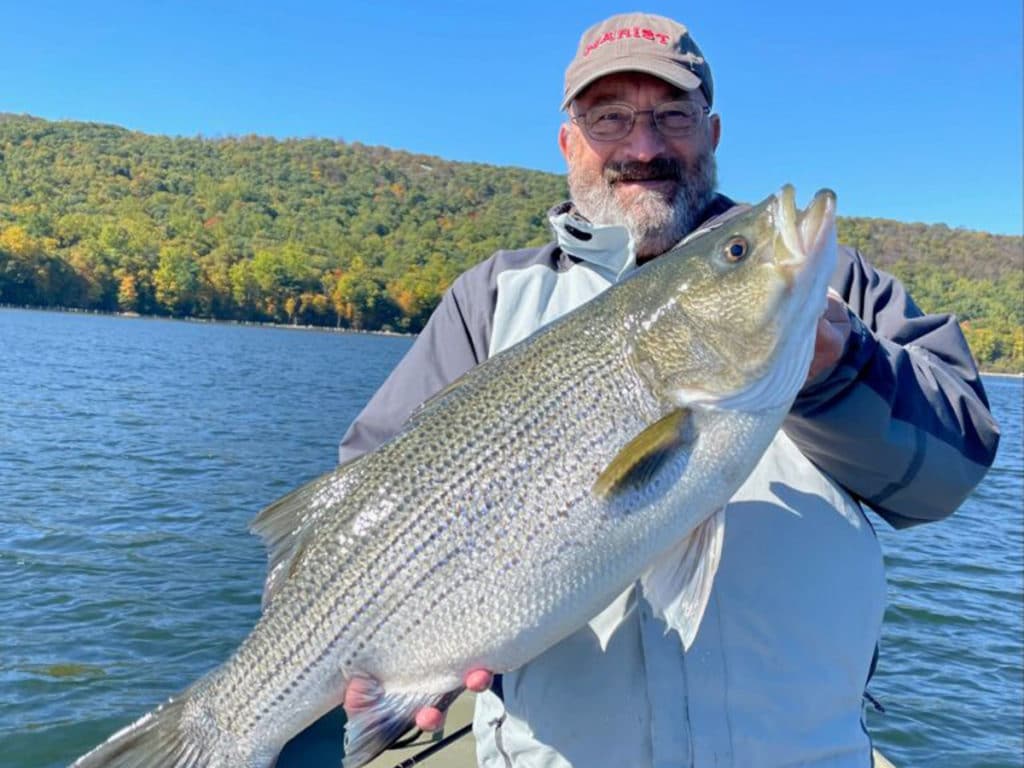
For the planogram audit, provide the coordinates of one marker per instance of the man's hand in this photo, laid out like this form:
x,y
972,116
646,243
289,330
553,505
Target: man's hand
x,y
428,718
833,333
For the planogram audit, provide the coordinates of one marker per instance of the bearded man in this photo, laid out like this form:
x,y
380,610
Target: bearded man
x,y
892,416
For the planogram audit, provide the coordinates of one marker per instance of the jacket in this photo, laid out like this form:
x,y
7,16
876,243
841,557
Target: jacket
x,y
779,666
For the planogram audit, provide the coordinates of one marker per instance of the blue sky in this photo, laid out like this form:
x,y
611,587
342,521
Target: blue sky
x,y
910,110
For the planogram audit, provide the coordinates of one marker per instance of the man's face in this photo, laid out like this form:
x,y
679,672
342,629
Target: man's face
x,y
652,184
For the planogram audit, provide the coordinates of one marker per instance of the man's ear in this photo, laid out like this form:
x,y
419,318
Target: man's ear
x,y
563,139
716,130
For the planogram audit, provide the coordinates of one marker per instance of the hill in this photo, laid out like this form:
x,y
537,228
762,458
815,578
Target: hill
x,y
325,232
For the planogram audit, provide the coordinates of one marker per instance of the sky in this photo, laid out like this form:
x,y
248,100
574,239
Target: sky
x,y
909,110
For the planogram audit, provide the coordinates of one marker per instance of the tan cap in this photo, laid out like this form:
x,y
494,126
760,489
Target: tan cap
x,y
638,42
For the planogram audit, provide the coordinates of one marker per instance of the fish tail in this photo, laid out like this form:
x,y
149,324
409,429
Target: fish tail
x,y
156,740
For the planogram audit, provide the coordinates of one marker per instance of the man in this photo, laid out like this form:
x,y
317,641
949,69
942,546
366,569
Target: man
x,y
892,415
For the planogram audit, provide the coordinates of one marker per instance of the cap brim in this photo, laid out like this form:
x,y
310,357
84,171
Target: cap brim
x,y
668,71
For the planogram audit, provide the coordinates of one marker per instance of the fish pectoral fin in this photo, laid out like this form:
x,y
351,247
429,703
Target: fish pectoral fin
x,y
383,717
641,458
678,585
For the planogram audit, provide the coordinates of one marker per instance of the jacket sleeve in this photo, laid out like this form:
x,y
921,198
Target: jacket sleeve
x,y
902,422
455,338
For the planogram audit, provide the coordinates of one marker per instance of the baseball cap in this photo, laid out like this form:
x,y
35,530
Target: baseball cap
x,y
638,42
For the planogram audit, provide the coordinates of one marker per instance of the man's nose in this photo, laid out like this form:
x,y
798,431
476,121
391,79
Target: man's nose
x,y
644,141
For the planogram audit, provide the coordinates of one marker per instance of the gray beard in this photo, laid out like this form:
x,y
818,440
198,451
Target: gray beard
x,y
654,223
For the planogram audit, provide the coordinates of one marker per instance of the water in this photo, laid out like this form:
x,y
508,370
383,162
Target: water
x,y
134,452
950,674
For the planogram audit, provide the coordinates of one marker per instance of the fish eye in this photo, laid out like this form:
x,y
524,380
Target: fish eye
x,y
736,249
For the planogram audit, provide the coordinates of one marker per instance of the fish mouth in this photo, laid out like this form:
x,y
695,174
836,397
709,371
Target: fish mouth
x,y
804,234
816,221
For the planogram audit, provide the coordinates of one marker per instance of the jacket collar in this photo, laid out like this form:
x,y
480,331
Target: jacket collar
x,y
610,248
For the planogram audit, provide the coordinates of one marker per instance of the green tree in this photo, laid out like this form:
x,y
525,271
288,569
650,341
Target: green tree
x,y
177,280
359,299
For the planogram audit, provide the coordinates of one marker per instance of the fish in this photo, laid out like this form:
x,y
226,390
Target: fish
x,y
520,501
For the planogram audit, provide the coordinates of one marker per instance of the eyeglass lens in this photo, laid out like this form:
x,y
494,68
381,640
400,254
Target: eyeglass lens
x,y
614,121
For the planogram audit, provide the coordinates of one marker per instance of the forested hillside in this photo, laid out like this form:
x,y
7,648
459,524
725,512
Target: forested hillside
x,y
324,232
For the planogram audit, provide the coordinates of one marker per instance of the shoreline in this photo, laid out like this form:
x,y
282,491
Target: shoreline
x,y
206,320
295,327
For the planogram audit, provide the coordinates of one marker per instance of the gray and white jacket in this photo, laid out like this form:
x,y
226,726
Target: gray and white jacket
x,y
778,668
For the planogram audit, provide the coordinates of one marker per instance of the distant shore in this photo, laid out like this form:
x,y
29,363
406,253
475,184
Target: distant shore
x,y
209,320
294,327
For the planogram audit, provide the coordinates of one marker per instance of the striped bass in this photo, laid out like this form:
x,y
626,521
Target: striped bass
x,y
515,505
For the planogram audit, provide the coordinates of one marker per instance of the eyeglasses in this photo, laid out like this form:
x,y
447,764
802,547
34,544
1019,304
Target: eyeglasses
x,y
611,122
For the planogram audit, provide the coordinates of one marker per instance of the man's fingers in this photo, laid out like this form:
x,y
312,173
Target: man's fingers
x,y
430,719
835,308
478,680
358,697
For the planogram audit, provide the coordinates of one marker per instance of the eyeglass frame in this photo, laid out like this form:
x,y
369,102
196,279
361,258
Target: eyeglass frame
x,y
580,119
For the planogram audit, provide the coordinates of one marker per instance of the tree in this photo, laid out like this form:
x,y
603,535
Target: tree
x,y
177,280
127,294
359,298
417,292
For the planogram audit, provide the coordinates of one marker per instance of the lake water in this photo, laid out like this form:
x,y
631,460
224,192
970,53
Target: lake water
x,y
133,453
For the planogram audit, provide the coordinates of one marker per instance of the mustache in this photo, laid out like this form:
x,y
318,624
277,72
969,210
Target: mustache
x,y
658,169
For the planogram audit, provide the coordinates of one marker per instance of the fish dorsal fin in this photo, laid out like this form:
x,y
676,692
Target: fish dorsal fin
x,y
678,585
283,524
641,458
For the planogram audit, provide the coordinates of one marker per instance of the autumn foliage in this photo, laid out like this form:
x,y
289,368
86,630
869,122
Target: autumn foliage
x,y
330,233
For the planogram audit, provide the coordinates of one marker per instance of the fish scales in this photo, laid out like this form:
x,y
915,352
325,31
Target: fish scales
x,y
542,413
320,597
550,410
